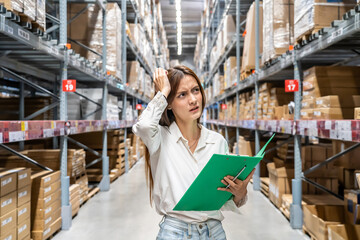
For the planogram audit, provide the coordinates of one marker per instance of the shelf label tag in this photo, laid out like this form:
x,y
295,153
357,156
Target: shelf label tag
x,y
69,85
291,85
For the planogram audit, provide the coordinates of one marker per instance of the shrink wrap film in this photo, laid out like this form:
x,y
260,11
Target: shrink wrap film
x,y
316,14
278,19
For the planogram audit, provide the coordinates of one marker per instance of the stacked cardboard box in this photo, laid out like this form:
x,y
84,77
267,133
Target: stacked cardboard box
x,y
280,183
348,160
45,204
344,231
23,202
9,205
326,176
10,107
74,193
285,155
229,65
333,91
87,29
309,15
317,218
278,22
248,58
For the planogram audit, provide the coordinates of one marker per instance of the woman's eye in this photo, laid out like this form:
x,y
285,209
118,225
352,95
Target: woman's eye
x,y
181,95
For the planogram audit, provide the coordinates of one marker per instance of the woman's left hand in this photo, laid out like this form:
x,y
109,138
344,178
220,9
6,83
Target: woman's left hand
x,y
238,187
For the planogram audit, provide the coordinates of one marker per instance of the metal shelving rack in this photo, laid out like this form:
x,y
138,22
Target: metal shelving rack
x,y
41,58
332,45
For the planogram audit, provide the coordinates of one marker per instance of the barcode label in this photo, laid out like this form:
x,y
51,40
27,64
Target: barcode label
x,y
1,137
46,231
48,133
328,125
22,211
48,220
48,189
23,34
16,136
22,228
6,221
10,30
7,202
22,194
6,181
48,199
22,176
48,179
48,210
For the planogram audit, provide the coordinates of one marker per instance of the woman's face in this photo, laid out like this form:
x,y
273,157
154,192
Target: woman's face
x,y
187,103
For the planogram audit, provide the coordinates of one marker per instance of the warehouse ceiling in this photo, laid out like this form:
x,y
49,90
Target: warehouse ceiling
x,y
191,11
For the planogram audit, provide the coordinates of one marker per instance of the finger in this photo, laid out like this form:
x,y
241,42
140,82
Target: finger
x,y
247,180
229,181
224,189
154,76
157,73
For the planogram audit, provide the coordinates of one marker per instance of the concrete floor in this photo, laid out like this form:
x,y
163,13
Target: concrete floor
x,y
125,213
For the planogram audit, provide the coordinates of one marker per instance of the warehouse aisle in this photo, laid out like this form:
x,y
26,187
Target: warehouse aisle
x,y
124,213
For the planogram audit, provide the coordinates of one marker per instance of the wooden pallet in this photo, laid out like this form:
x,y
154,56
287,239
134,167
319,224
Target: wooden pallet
x,y
308,36
245,75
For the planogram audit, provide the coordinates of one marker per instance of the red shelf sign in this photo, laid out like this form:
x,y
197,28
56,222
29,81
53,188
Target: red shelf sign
x,y
291,85
69,85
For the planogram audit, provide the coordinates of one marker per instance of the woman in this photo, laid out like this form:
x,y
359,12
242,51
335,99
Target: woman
x,y
178,147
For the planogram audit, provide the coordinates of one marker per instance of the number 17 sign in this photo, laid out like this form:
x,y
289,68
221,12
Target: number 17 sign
x,y
69,85
291,85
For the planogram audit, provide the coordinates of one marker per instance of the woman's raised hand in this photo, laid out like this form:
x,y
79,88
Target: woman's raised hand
x,y
161,81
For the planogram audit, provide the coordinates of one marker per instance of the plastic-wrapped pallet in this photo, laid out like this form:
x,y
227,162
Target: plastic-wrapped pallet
x,y
30,9
132,72
248,59
13,5
229,65
278,19
229,29
312,15
40,13
113,36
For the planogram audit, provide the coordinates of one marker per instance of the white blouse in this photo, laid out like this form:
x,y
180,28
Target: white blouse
x,y
174,167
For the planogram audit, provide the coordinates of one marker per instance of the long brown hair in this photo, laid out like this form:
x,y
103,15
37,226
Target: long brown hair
x,y
175,75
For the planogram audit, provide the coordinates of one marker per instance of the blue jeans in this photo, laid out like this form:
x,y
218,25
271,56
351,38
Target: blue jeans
x,y
175,229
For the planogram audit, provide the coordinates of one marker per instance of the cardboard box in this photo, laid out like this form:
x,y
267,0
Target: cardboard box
x,y
306,114
331,101
10,235
229,29
43,224
44,179
308,103
42,203
23,229
23,212
317,14
346,178
344,232
8,223
280,182
317,218
357,113
8,203
43,214
45,192
42,235
349,160
248,58
24,195
8,181
23,176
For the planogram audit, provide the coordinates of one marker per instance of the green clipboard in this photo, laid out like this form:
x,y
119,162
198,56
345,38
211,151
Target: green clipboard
x,y
203,195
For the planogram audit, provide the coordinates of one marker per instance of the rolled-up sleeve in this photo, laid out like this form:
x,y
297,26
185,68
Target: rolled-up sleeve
x,y
230,204
147,127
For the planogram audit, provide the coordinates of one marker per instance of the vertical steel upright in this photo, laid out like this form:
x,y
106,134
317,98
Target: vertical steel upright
x,y
256,176
105,181
65,180
123,59
21,109
296,217
237,69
